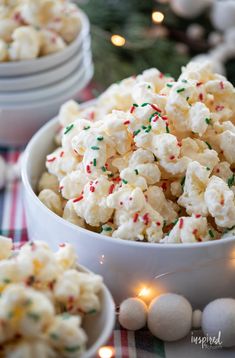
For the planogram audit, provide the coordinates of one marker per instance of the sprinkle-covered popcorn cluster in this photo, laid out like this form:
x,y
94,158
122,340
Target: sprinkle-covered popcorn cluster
x,y
29,28
43,301
153,160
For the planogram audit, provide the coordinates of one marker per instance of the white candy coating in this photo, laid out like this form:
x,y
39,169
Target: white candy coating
x,y
170,317
133,314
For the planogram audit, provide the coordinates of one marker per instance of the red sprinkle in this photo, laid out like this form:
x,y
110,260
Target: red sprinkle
x,y
155,108
146,218
135,218
195,231
158,223
222,201
221,84
92,189
217,170
179,144
126,122
199,239
92,115
199,84
88,169
219,108
165,118
200,96
181,223
61,154
51,160
61,187
111,189
197,216
155,118
161,75
78,199
172,157
132,109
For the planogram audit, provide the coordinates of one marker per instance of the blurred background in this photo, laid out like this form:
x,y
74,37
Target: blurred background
x,y
132,35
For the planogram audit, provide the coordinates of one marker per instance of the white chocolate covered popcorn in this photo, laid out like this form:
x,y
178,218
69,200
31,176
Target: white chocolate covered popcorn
x,y
5,247
31,29
51,200
42,311
151,151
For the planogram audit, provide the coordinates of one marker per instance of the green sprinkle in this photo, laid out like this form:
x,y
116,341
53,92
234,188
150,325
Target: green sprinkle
x,y
143,127
95,147
72,349
185,81
167,74
68,129
187,98
148,86
167,129
54,336
100,138
34,316
180,90
136,132
124,181
148,129
136,171
110,175
211,233
207,168
86,128
231,180
103,169
208,144
92,311
175,222
144,104
94,162
6,280
169,85
107,228
153,115
182,181
208,120
135,105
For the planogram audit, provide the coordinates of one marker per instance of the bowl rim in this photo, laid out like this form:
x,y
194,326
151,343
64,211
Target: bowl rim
x,y
106,332
126,243
85,28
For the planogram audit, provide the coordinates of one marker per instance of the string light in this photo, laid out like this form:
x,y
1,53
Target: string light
x,y
157,17
144,292
106,352
118,40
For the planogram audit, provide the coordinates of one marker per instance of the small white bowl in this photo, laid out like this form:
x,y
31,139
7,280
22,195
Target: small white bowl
x,y
50,91
19,68
47,77
100,326
200,271
19,122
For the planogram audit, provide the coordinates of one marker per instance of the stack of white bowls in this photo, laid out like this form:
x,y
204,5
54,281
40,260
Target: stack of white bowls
x,y
31,92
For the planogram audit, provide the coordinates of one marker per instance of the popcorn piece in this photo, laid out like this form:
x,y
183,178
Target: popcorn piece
x,y
70,23
52,201
25,45
36,348
227,144
197,178
199,116
66,257
70,215
73,183
189,230
3,51
6,247
48,181
7,27
50,43
67,337
220,202
166,208
69,111
60,163
92,204
25,310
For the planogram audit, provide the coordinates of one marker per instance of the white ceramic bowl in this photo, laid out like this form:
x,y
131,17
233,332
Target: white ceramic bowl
x,y
46,77
50,91
100,326
19,122
128,266
12,69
